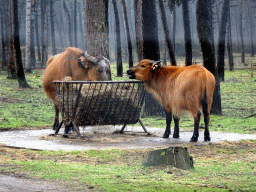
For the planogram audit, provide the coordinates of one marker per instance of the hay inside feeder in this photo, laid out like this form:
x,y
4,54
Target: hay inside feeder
x,y
100,103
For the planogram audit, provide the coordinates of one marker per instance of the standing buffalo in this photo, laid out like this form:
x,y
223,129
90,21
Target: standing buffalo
x,y
178,89
76,64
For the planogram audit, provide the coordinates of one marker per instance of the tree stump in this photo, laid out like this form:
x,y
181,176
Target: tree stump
x,y
175,156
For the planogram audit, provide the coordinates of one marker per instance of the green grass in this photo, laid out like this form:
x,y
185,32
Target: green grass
x,y
230,166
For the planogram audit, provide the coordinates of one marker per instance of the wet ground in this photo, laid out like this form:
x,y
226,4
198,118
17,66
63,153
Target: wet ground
x,y
103,138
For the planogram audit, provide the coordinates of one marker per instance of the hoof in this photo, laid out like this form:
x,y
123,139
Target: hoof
x,y
166,136
207,138
176,135
69,132
55,127
194,139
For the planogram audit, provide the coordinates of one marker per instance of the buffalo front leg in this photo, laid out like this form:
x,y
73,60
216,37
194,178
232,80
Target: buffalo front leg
x,y
176,133
56,121
168,125
195,136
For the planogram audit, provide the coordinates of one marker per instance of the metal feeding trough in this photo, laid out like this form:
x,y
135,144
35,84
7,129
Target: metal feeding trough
x,y
88,103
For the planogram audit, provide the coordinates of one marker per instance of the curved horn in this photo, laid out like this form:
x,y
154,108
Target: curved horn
x,y
106,59
90,58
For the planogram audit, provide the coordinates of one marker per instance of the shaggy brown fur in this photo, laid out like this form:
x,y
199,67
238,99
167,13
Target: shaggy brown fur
x,y
72,63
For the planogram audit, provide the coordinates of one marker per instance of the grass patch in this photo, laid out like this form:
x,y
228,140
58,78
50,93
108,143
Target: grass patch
x,y
229,166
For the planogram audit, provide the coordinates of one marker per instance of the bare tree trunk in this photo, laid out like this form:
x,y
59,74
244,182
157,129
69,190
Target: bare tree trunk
x,y
187,34
97,28
85,25
16,41
11,70
229,45
138,28
37,36
150,50
28,35
222,40
32,44
251,21
129,42
69,23
44,34
3,36
241,32
43,12
119,64
174,28
167,33
54,51
75,23
205,34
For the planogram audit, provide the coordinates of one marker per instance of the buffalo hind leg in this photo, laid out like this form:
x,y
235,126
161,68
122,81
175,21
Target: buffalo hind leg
x,y
56,121
206,120
195,136
168,125
176,133
68,128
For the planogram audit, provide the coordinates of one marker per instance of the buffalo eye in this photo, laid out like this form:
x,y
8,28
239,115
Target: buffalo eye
x,y
143,66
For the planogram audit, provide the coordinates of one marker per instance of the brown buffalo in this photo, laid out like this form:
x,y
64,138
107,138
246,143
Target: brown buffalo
x,y
52,58
178,89
79,66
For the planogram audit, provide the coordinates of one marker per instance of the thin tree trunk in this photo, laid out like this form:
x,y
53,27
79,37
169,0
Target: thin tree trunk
x,y
16,40
28,35
69,23
241,32
37,36
81,24
119,64
174,28
222,39
3,37
205,34
167,33
187,33
138,28
43,13
85,26
75,23
32,44
54,51
11,70
129,42
251,21
229,45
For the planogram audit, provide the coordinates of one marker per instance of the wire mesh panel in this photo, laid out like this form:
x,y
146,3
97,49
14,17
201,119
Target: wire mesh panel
x,y
100,102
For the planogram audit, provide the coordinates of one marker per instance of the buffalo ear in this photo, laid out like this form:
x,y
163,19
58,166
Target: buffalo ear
x,y
82,63
156,65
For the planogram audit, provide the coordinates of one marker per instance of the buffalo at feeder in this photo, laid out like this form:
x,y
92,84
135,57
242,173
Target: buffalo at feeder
x,y
76,64
178,89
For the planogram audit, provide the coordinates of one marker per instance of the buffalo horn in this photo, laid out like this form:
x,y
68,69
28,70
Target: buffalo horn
x,y
90,58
